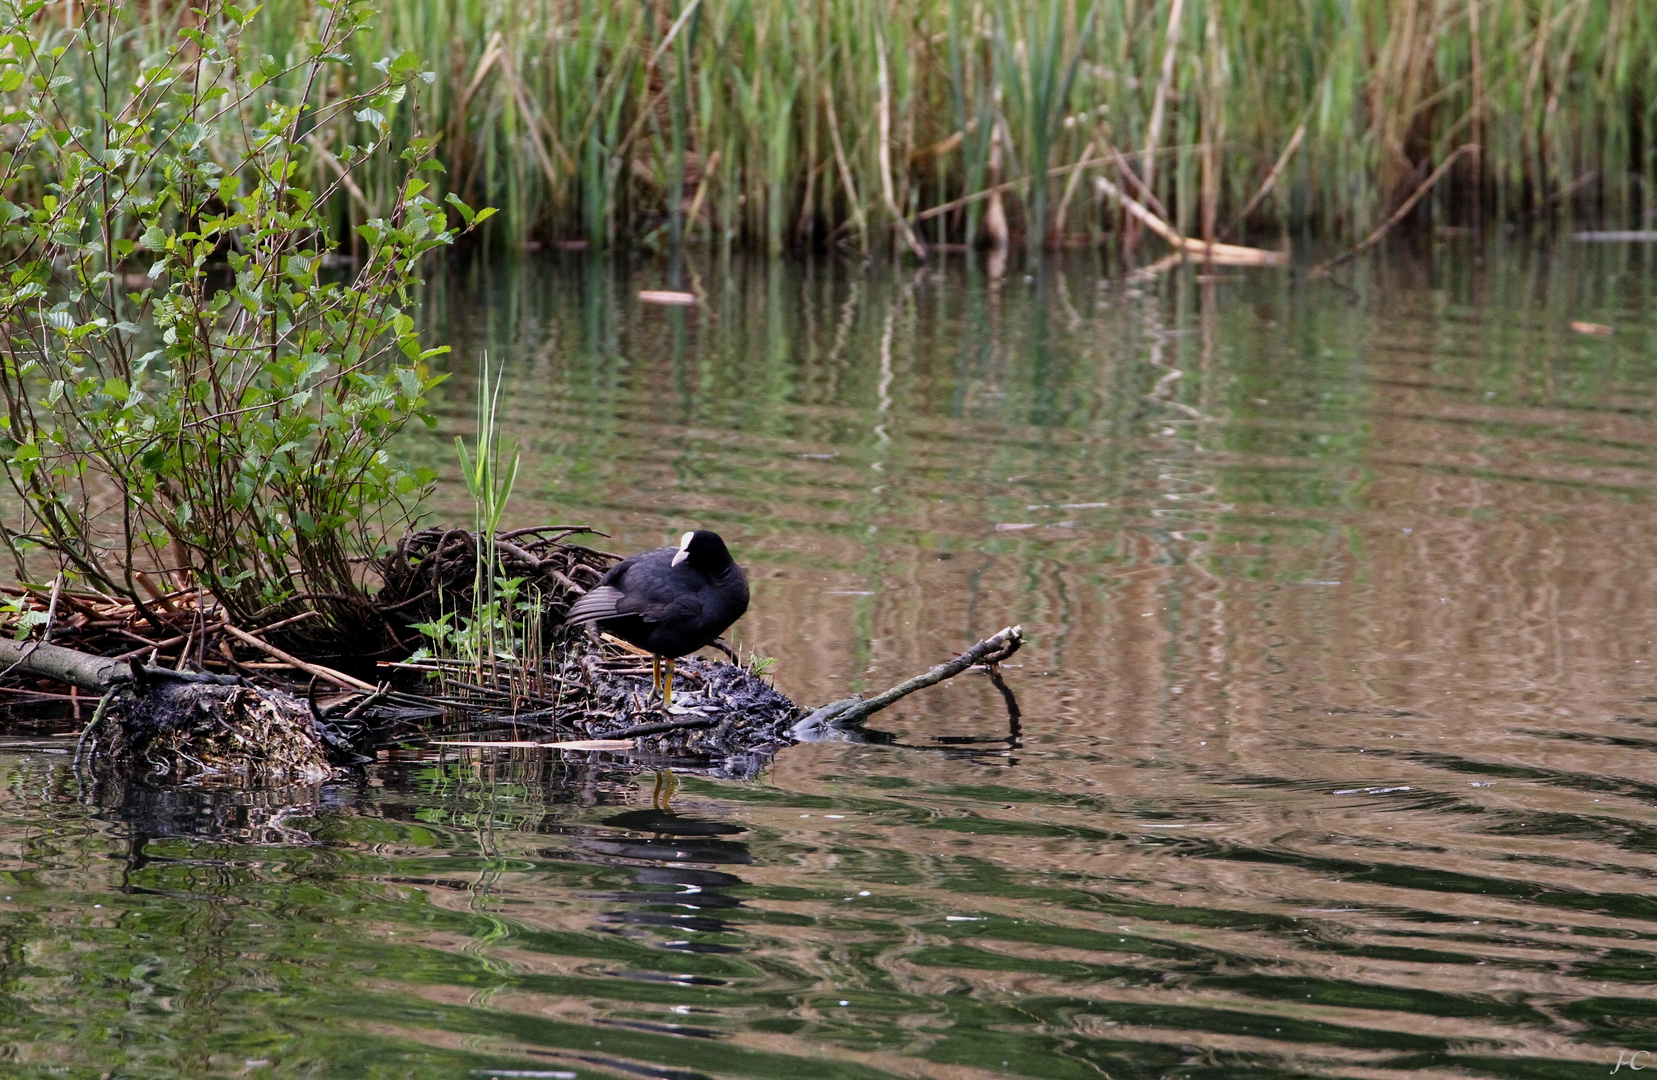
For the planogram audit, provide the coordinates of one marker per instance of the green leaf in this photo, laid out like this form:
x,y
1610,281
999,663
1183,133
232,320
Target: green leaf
x,y
466,212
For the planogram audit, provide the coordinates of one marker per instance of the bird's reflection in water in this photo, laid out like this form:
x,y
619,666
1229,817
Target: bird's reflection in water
x,y
680,900
672,858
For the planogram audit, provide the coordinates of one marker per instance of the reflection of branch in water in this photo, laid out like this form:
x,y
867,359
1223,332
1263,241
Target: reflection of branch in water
x,y
965,746
1015,715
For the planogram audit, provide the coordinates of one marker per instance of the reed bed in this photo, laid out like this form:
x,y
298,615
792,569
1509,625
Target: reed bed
x,y
775,124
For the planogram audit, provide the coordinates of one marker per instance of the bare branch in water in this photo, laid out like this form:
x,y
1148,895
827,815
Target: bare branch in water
x,y
852,710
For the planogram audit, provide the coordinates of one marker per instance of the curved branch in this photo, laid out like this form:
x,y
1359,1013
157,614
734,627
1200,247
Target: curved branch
x,y
852,710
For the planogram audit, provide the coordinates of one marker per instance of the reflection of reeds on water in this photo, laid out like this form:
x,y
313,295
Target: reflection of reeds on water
x,y
1336,723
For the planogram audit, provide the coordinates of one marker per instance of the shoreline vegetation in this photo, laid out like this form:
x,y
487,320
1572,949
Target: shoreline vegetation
x,y
775,125
196,423
215,217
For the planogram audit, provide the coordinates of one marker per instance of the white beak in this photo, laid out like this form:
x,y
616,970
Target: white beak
x,y
684,550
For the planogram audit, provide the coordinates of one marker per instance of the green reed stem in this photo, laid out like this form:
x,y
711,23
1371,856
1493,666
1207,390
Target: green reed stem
x,y
582,119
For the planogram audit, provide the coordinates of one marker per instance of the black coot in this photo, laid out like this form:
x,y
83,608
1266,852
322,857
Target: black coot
x,y
668,602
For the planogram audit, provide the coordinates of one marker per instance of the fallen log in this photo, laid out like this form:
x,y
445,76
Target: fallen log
x,y
94,673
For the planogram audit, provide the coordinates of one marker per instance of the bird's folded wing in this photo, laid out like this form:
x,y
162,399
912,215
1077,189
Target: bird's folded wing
x,y
602,602
607,602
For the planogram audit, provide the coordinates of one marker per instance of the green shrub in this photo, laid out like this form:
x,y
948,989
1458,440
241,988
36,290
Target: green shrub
x,y
191,382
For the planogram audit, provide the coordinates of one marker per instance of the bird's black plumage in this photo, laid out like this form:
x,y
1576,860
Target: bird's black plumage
x,y
669,601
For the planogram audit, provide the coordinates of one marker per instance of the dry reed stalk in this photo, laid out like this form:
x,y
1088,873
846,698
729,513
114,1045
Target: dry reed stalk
x,y
1396,93
1145,194
1213,129
491,53
855,203
1475,48
884,152
1271,179
708,170
673,32
1071,185
532,119
1164,85
1219,254
1562,73
1398,215
1008,185
995,220
946,145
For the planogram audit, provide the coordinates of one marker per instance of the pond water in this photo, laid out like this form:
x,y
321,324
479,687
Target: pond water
x,y
1337,752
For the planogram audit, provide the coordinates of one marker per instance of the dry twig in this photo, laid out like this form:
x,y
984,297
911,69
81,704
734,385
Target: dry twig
x,y
1322,269
338,678
992,650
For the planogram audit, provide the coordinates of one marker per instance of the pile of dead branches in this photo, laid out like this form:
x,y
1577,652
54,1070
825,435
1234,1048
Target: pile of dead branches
x,y
182,694
597,689
182,630
433,572
429,574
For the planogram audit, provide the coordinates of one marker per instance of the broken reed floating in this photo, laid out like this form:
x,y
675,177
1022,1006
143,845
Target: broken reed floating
x,y
775,124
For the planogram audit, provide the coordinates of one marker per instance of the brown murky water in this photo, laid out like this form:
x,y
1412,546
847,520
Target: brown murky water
x,y
1338,709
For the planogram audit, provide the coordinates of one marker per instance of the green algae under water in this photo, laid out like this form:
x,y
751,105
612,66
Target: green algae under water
x,y
1338,749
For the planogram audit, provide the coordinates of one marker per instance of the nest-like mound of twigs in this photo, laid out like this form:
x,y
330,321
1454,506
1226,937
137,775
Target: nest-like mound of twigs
x,y
200,699
252,702
174,727
429,574
434,572
600,689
